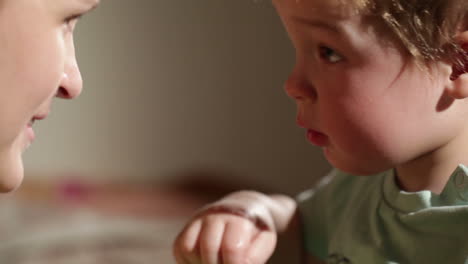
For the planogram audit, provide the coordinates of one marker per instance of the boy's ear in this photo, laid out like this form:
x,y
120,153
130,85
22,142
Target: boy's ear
x,y
459,78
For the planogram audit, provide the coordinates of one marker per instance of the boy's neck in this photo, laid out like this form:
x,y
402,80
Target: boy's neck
x,y
432,170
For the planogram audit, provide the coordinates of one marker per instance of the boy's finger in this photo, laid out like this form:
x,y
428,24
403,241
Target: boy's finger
x,y
261,248
179,257
186,243
236,241
210,239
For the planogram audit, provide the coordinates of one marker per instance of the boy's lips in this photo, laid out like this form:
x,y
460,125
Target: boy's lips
x,y
316,138
313,136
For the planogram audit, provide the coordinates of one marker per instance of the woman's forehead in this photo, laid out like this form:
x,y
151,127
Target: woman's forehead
x,y
70,3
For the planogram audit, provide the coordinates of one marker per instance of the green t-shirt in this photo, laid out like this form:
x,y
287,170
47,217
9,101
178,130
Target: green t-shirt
x,y
368,219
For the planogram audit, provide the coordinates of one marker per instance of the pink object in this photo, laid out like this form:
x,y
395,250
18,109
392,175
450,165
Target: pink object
x,y
74,190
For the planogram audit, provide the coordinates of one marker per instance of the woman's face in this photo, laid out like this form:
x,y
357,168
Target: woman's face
x,y
37,63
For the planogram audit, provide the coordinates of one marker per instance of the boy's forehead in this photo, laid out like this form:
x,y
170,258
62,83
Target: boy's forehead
x,y
334,8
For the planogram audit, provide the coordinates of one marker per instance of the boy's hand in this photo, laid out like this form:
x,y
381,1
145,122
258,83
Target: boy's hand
x,y
219,238
239,229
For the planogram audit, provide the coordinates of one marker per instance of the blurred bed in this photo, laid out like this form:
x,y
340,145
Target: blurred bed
x,y
72,222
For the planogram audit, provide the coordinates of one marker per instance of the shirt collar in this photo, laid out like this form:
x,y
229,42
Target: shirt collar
x,y
455,193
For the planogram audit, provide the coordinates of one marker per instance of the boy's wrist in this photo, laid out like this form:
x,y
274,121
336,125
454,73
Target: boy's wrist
x,y
283,209
267,212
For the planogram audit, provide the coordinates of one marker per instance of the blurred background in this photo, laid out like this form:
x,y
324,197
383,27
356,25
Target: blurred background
x,y
183,101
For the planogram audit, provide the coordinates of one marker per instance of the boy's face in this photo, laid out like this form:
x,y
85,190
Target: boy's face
x,y
361,98
37,63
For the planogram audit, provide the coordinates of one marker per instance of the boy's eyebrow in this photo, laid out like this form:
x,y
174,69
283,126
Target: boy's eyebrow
x,y
318,23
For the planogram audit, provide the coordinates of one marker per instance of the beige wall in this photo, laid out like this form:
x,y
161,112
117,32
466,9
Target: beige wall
x,y
176,85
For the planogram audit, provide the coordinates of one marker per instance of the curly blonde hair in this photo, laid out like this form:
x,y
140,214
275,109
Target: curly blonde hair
x,y
426,28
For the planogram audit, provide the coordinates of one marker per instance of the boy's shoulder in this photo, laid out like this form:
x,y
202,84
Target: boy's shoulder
x,y
362,217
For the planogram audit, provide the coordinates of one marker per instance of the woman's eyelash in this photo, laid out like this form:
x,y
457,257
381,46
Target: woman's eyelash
x,y
329,54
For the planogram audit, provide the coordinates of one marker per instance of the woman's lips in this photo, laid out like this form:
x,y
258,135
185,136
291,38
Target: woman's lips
x,y
30,132
29,127
317,138
30,135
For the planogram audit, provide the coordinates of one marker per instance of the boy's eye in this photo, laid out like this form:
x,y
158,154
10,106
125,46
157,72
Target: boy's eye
x,y
329,54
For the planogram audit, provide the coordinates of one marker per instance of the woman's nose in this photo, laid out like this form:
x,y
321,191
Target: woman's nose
x,y
71,84
299,89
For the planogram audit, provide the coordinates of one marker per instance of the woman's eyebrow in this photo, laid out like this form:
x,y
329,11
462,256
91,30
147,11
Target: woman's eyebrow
x,y
95,5
92,3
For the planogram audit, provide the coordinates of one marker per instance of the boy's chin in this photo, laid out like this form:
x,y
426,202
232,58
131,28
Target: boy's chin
x,y
357,168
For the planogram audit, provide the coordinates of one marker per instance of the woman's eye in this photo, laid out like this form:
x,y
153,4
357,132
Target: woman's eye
x,y
329,54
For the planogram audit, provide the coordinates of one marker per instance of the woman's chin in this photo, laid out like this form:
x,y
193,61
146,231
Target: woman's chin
x,y
11,174
9,186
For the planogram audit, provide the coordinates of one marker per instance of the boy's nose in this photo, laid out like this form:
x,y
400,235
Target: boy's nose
x,y
300,89
71,83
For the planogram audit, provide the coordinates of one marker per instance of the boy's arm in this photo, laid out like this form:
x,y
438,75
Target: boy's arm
x,y
290,248
240,228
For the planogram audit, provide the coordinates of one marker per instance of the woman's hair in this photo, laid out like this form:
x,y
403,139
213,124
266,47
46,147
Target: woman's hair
x,y
426,28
